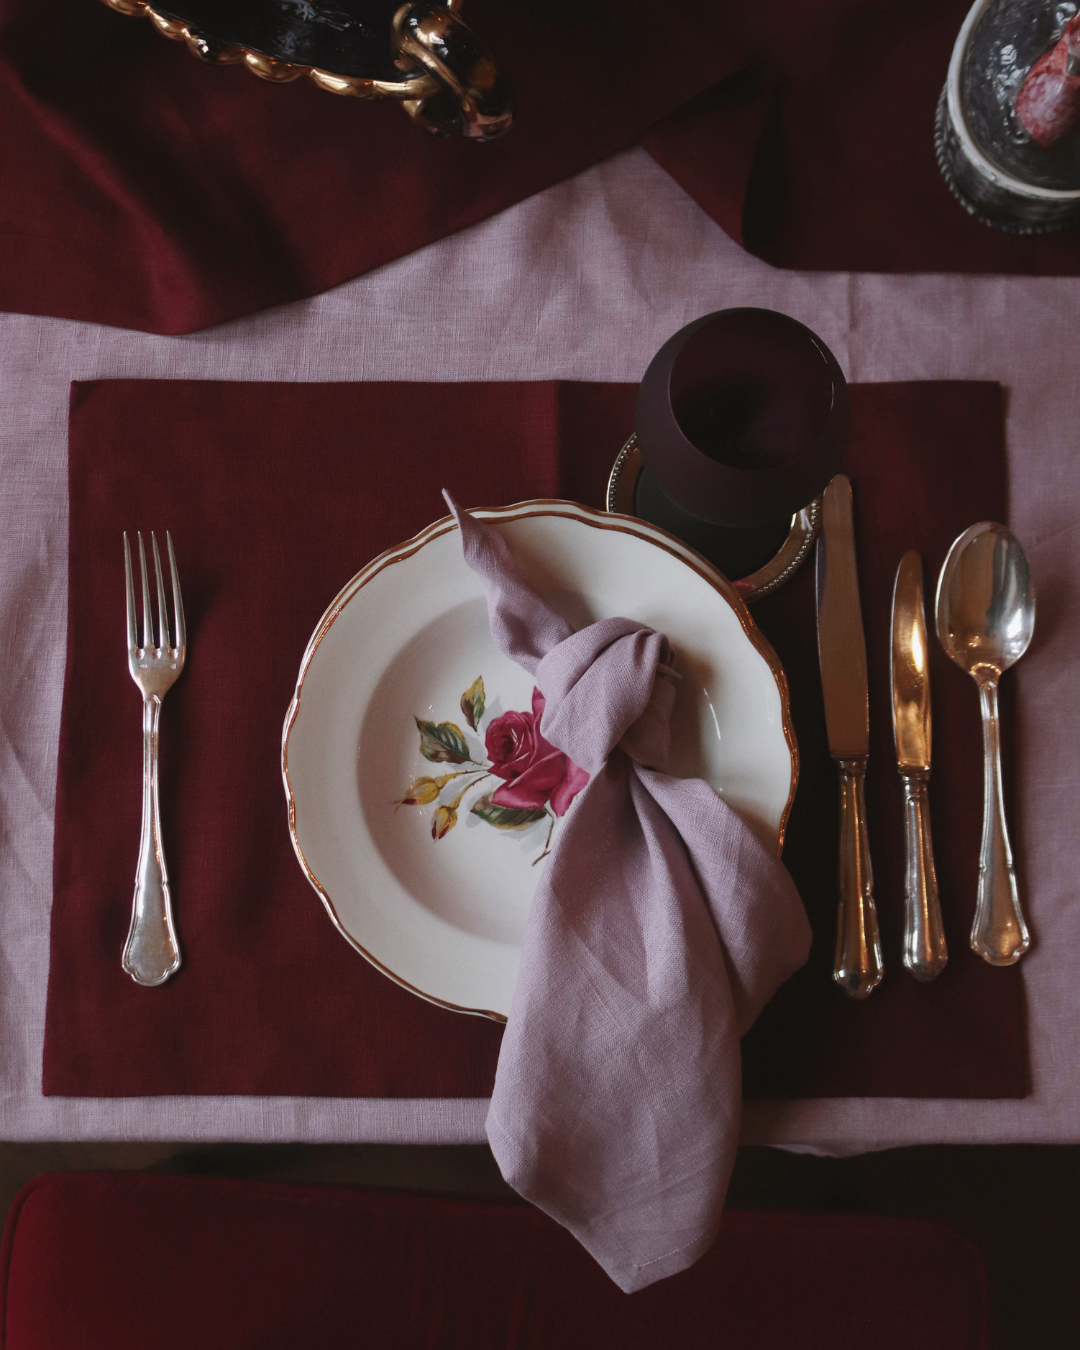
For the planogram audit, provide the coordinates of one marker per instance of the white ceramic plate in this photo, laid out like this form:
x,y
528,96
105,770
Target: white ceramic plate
x,y
405,640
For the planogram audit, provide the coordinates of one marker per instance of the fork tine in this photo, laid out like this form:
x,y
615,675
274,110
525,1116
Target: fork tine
x,y
178,604
163,613
132,639
148,623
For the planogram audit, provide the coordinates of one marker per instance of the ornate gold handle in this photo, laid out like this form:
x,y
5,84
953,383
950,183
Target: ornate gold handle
x,y
473,95
858,967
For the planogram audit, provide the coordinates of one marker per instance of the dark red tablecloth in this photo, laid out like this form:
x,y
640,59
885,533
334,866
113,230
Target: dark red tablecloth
x,y
142,190
118,1261
276,494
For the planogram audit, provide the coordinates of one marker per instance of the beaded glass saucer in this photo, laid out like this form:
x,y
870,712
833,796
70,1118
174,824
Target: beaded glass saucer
x,y
628,485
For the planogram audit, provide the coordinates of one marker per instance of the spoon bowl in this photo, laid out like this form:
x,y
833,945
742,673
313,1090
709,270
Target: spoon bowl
x,y
985,600
985,619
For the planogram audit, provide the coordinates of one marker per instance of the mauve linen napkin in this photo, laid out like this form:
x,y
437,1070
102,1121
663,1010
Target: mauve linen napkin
x,y
660,928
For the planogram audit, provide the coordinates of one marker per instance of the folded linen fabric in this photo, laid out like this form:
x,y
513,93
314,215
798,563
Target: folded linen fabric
x,y
804,129
660,928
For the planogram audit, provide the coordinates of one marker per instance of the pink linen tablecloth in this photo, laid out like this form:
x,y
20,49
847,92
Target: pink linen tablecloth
x,y
583,282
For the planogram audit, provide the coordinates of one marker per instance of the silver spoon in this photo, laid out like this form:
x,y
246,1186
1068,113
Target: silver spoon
x,y
985,618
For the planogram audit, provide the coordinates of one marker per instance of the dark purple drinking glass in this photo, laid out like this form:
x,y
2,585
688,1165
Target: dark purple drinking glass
x,y
742,419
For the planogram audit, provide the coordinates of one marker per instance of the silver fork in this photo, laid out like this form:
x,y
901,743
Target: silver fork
x,y
151,953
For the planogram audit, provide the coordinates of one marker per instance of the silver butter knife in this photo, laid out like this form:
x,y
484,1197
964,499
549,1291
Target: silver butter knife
x,y
925,953
857,968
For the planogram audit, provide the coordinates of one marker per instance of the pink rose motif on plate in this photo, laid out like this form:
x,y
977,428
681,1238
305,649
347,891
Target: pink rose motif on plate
x,y
533,771
538,781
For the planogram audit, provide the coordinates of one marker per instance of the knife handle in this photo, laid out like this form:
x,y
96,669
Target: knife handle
x,y
857,968
925,952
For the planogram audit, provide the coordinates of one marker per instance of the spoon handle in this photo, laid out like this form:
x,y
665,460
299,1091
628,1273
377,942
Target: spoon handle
x,y
999,933
857,968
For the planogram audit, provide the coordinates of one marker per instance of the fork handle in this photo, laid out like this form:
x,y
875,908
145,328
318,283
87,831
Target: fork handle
x,y
151,953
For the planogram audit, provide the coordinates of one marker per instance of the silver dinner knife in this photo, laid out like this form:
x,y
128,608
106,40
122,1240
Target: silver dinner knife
x,y
925,953
857,968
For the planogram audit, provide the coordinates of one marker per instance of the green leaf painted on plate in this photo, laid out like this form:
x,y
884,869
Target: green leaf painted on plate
x,y
472,702
443,742
506,817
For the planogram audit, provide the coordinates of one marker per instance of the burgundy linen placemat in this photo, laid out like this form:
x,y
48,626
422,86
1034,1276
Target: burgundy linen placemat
x,y
276,494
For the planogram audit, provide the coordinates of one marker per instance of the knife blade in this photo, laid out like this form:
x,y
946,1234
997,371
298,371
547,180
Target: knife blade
x,y
841,644
925,951
857,967
910,677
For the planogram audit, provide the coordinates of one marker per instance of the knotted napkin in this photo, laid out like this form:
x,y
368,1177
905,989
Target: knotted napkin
x,y
660,927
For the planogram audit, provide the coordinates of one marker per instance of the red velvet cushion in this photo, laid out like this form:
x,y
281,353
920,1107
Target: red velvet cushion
x,y
123,1260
